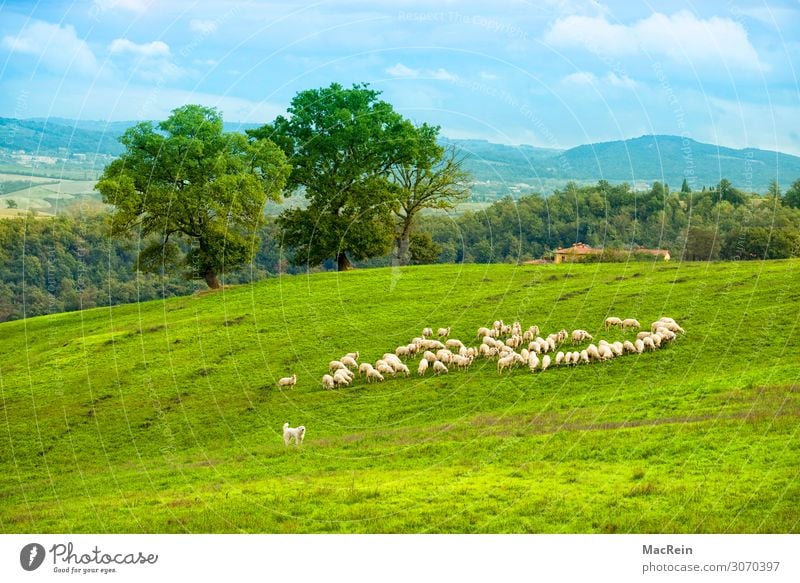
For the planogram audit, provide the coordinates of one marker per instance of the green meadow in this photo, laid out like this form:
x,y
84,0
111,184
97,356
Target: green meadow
x,y
166,416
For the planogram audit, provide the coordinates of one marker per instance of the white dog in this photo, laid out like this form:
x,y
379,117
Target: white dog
x,y
298,433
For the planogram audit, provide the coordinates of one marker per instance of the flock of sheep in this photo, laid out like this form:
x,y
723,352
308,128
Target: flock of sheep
x,y
502,342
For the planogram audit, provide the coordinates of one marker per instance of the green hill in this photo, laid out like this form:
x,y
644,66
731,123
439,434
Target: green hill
x,y
166,417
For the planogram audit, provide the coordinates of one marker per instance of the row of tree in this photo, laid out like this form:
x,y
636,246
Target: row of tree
x,y
365,173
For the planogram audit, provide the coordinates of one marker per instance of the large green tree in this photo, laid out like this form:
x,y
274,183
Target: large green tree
x,y
341,144
792,196
187,181
434,180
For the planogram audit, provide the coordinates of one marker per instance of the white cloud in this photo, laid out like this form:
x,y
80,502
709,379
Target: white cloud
x,y
204,27
580,78
57,47
621,80
156,48
401,70
486,76
680,37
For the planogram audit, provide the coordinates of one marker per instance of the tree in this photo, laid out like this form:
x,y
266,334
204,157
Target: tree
x,y
774,190
423,249
435,180
685,189
792,196
189,182
341,144
11,203
729,193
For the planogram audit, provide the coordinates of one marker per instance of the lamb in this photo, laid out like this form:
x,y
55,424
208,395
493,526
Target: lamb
x,y
328,382
427,332
349,362
439,368
374,375
545,362
296,433
631,323
423,366
443,332
288,381
611,322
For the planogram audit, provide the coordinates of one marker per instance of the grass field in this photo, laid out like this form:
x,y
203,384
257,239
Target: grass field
x,y
166,417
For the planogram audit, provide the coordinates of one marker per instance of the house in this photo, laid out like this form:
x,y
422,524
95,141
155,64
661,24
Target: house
x,y
580,250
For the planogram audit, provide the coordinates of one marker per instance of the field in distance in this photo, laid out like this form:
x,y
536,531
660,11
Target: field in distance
x,y
166,416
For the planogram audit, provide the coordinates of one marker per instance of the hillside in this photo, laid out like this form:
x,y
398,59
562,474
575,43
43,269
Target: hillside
x,y
166,417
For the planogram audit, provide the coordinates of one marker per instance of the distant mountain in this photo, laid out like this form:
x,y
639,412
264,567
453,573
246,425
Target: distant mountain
x,y
499,170
638,161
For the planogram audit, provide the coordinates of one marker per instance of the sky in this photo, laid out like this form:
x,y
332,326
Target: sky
x,y
553,74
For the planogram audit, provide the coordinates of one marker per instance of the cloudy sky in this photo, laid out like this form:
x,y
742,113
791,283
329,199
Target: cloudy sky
x,y
554,74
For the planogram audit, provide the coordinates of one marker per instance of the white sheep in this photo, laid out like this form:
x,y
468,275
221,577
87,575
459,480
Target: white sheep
x,y
579,336
631,323
505,362
423,366
403,369
576,357
374,375
642,335
353,355
288,381
591,350
341,379
439,368
559,358
649,344
429,356
349,362
385,368
427,332
533,361
629,347
296,433
443,332
617,348
639,345
444,355
584,357
335,365
328,382
483,332
454,343
611,322
364,368
567,357
604,352
545,362
402,351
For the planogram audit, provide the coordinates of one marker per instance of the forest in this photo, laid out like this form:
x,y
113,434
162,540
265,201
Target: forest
x,y
72,262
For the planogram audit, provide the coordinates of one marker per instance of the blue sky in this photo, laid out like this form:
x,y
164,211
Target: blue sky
x,y
551,74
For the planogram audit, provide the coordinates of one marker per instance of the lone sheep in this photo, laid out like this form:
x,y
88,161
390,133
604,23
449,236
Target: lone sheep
x,y
288,381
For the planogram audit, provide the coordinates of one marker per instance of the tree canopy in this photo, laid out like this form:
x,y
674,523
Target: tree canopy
x,y
341,144
186,181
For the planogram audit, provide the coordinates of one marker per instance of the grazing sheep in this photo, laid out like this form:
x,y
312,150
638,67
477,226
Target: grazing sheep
x,y
487,351
617,348
353,355
584,357
656,338
545,362
385,368
611,322
423,366
288,381
296,433
639,345
349,362
443,332
505,362
444,355
628,347
649,344
335,365
483,331
427,332
668,325
340,378
533,361
579,336
567,357
642,335
454,343
631,323
551,344
402,351
403,369
374,375
462,362
328,382
604,352
591,350
559,358
439,368
576,357
429,356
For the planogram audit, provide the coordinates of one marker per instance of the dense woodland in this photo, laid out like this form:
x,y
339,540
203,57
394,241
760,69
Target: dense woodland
x,y
71,262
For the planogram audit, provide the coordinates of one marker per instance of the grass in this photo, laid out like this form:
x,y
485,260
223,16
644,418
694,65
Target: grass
x,y
166,417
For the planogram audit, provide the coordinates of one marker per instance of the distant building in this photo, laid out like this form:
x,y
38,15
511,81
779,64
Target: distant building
x,y
580,250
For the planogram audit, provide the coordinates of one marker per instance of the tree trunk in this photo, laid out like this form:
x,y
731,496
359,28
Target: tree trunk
x,y
211,279
402,243
342,262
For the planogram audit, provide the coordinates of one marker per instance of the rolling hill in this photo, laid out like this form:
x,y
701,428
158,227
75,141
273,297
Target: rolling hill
x,y
166,416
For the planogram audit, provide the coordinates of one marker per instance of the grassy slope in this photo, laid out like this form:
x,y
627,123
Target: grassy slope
x,y
165,417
